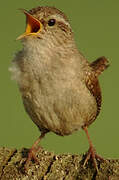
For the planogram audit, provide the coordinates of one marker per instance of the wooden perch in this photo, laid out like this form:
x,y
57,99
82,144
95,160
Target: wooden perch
x,y
54,167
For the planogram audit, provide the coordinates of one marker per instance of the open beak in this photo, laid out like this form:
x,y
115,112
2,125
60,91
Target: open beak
x,y
33,26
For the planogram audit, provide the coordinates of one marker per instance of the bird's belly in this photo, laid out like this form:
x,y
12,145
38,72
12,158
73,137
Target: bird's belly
x,y
52,118
61,112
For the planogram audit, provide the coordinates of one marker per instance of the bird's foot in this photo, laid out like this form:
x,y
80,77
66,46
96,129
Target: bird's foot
x,y
91,154
32,155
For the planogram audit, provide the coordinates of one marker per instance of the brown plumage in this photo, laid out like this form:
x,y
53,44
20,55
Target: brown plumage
x,y
59,87
98,66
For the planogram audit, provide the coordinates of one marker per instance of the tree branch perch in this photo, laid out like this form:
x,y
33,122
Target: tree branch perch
x,y
54,167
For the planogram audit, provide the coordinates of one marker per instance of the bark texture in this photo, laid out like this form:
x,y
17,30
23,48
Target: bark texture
x,y
54,167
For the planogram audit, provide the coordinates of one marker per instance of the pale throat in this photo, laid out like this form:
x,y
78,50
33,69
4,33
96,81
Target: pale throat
x,y
36,49
45,49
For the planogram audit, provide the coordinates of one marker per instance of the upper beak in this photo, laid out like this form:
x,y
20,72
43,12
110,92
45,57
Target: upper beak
x,y
33,26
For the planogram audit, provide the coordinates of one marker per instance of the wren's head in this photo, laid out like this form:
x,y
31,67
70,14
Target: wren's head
x,y
47,24
47,42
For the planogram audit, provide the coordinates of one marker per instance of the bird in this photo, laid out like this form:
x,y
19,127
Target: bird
x,y
59,86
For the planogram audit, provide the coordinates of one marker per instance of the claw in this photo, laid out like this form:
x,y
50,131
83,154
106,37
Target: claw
x,y
91,154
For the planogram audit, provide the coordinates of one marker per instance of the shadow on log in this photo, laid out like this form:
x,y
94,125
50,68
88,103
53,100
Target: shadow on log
x,y
54,167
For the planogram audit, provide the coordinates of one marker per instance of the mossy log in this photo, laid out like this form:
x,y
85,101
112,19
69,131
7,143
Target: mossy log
x,y
54,167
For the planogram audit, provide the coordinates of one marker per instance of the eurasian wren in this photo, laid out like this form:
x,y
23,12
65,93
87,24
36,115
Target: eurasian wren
x,y
59,87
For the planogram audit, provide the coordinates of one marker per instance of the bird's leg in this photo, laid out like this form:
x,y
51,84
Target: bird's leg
x,y
91,152
33,151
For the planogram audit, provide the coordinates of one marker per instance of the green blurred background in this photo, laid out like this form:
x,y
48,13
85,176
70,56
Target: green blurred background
x,y
96,28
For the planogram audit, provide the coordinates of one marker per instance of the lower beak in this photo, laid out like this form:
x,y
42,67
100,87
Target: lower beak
x,y
33,26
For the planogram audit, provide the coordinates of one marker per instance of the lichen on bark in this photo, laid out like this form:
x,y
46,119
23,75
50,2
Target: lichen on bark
x,y
54,167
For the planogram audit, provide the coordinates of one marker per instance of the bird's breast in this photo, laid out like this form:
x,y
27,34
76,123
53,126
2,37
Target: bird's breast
x,y
55,98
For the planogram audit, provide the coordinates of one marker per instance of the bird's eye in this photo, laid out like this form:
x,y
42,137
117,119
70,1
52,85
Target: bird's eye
x,y
51,22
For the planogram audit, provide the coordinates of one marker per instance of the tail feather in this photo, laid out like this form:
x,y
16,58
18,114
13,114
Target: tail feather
x,y
99,65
